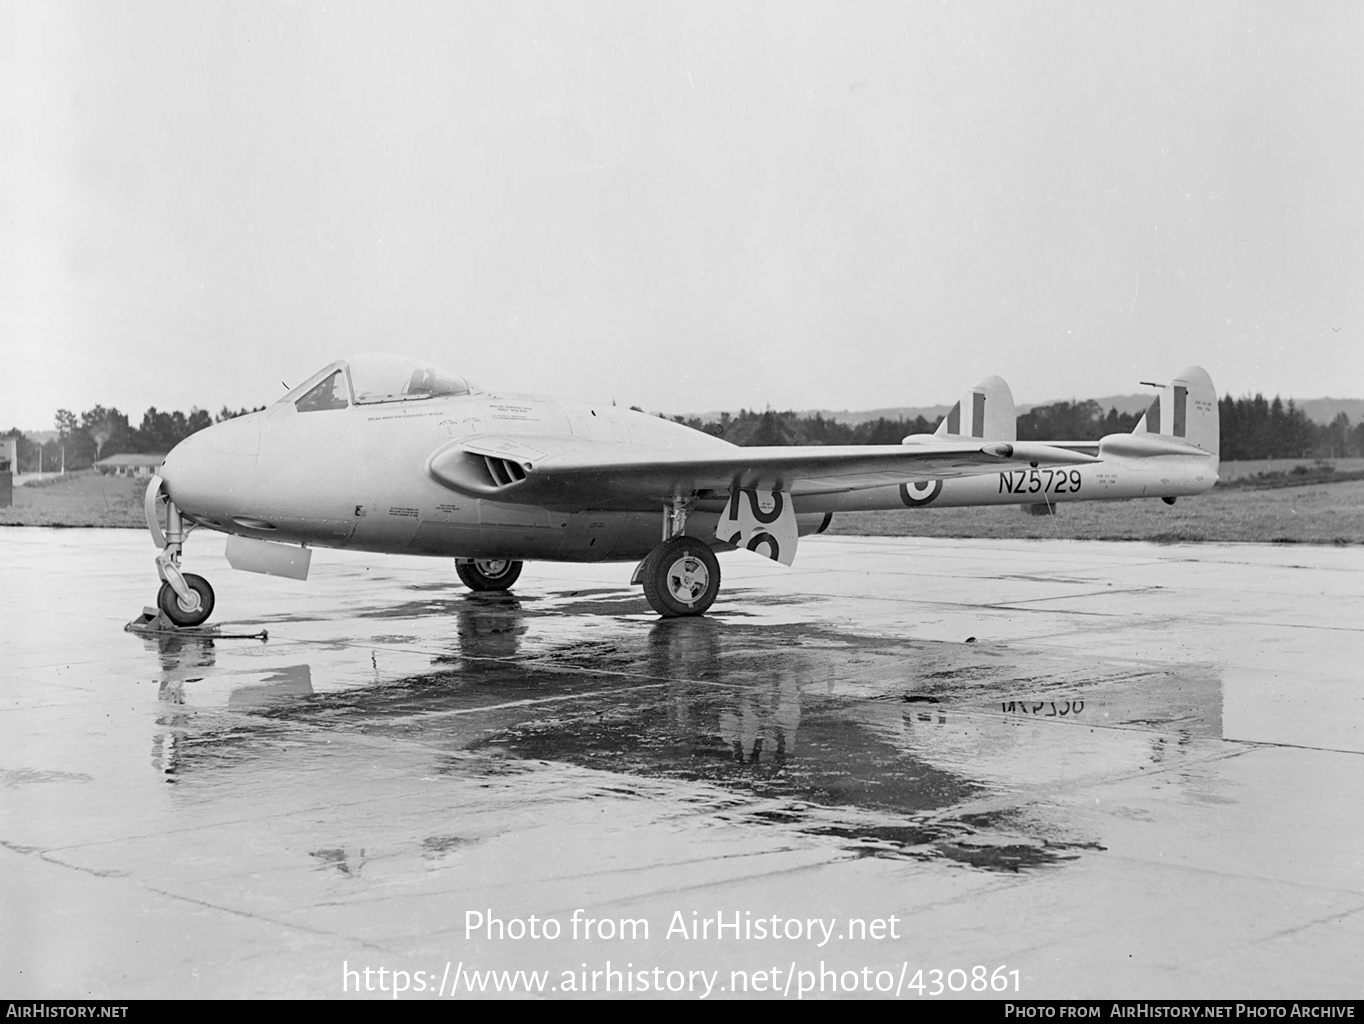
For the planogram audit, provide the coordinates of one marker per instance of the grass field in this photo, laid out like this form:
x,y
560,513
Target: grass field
x,y
1275,511
79,499
1330,513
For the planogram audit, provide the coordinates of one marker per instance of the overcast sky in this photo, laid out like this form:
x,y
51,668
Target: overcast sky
x,y
687,206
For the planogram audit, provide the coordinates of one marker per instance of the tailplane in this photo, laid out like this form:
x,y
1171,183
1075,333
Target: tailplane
x,y
1183,415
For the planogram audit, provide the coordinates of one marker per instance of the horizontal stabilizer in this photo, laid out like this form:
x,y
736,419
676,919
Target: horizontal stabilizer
x,y
1131,446
1146,445
1182,420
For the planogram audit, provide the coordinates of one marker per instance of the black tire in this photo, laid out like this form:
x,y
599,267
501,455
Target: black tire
x,y
169,604
488,573
681,577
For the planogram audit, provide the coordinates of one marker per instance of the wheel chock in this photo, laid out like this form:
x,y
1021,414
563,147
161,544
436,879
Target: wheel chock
x,y
153,622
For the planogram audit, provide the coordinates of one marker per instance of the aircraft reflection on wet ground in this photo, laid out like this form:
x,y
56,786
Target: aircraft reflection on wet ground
x,y
893,747
1135,782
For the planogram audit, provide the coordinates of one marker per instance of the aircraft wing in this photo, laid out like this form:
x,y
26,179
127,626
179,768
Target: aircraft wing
x,y
571,472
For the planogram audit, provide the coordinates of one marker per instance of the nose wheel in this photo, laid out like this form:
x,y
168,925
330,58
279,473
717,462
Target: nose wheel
x,y
184,598
182,612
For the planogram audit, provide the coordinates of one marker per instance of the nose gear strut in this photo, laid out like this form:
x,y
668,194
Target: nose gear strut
x,y
185,599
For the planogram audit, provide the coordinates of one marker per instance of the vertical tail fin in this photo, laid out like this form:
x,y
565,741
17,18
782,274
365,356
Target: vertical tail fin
x,y
986,413
1185,410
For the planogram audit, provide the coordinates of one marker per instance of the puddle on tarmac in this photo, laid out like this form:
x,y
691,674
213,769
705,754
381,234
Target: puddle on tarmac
x,y
886,747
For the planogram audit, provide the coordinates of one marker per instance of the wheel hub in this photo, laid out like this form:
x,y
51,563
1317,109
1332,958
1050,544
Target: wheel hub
x,y
492,567
688,579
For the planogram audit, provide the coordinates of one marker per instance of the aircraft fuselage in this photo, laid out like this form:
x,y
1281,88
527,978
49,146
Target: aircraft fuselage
x,y
356,478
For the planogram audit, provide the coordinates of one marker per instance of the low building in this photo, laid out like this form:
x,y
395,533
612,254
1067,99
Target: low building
x,y
131,463
9,465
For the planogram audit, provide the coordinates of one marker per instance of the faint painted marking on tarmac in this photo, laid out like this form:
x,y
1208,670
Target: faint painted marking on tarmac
x,y
1106,592
428,714
1303,625
47,856
20,848
1292,746
279,921
33,776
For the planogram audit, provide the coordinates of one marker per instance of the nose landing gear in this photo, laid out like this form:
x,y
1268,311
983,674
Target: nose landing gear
x,y
184,598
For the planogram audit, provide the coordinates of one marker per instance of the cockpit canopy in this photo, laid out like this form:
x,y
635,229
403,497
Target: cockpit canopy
x,y
371,377
376,377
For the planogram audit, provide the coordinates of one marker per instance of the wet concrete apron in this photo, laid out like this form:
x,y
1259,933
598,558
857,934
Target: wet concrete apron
x,y
1115,769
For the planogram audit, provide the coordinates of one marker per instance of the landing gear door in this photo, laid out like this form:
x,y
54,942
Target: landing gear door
x,y
761,521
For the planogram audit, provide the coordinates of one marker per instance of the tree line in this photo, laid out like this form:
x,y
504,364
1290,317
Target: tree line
x,y
1070,421
1252,428
1255,429
97,433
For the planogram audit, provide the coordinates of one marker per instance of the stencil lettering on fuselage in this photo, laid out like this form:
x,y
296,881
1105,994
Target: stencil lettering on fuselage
x,y
761,521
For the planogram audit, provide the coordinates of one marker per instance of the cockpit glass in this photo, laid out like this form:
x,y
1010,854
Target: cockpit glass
x,y
330,394
388,378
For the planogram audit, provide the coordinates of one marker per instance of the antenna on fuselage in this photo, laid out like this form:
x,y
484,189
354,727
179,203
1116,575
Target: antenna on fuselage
x,y
286,387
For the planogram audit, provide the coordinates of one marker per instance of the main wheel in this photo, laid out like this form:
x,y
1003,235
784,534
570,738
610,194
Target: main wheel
x,y
171,606
488,573
682,577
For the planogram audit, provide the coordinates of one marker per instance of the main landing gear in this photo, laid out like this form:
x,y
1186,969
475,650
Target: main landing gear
x,y
487,573
682,575
184,598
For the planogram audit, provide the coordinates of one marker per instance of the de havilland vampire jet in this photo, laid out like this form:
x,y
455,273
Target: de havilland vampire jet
x,y
390,454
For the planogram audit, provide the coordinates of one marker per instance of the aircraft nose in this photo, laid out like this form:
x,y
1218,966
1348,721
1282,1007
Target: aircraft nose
x,y
209,474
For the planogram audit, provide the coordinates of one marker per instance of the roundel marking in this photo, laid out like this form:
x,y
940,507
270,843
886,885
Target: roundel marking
x,y
920,492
